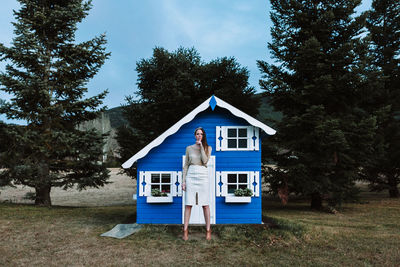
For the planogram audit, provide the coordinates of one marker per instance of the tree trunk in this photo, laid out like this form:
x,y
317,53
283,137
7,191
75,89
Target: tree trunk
x,y
393,190
316,201
43,196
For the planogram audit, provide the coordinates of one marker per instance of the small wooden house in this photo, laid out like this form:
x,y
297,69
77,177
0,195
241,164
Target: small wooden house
x,y
235,163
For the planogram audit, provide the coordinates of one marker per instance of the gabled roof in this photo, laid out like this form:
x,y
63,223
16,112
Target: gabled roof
x,y
212,102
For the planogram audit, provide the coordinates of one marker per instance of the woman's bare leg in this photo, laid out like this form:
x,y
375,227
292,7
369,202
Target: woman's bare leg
x,y
188,210
206,212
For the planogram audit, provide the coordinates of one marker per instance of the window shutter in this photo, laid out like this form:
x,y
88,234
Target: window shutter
x,y
174,178
141,180
253,131
147,180
224,180
257,141
224,142
250,176
258,182
217,187
250,141
255,178
217,141
179,179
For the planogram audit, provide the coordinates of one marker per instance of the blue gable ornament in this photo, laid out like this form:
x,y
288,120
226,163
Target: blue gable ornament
x,y
235,163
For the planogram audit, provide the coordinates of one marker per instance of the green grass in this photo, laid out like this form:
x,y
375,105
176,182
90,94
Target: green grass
x,y
365,234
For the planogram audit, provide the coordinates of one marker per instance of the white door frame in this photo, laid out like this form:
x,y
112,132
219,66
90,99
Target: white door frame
x,y
197,216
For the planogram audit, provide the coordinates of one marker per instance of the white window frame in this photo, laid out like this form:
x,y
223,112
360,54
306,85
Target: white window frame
x,y
145,177
160,184
222,177
222,138
237,181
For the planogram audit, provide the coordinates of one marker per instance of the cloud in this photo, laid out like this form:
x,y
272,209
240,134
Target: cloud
x,y
243,6
212,29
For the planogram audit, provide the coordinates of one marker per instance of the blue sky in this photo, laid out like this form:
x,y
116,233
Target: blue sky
x,y
216,28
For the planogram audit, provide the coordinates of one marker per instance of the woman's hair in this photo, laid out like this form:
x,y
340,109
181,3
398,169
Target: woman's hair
x,y
204,139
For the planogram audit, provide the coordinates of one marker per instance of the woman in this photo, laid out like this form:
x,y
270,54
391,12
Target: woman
x,y
196,181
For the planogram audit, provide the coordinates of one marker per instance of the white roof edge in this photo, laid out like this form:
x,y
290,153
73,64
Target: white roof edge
x,y
174,128
243,115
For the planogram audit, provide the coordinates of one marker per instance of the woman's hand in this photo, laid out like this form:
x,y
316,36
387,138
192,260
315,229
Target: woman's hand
x,y
184,186
198,139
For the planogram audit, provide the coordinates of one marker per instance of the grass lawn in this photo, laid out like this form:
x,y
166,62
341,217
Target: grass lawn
x,y
366,234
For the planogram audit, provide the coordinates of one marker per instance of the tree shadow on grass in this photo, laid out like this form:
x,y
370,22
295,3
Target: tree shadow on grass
x,y
96,216
131,218
303,205
228,234
105,217
269,204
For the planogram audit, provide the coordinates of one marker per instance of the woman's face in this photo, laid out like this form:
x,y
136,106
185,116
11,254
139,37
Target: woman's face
x,y
199,135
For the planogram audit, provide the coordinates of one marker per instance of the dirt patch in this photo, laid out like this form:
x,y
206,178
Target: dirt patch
x,y
118,192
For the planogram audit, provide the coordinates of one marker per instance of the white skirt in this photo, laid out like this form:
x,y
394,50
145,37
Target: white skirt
x,y
197,186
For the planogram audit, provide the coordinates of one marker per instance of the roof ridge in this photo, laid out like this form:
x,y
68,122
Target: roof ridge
x,y
212,101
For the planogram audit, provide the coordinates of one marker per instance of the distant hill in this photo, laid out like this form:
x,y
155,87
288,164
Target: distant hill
x,y
266,113
116,117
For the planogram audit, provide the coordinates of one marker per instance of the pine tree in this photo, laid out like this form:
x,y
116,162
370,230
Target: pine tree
x,y
317,84
170,85
383,23
46,75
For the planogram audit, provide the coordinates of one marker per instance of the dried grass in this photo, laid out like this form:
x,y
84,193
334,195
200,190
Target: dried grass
x,y
360,234
118,192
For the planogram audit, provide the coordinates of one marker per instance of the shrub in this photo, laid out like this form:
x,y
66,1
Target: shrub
x,y
158,193
243,192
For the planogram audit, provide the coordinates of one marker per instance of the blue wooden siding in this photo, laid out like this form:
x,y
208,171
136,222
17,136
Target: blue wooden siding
x,y
162,213
231,213
168,157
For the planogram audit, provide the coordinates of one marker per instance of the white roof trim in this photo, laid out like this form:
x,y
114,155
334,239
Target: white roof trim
x,y
238,113
173,129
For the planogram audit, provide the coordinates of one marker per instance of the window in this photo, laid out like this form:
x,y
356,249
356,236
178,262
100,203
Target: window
x,y
236,181
167,181
228,181
237,138
161,181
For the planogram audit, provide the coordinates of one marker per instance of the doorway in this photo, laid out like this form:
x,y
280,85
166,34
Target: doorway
x,y
197,216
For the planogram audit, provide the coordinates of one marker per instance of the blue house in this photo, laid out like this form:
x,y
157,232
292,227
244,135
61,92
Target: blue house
x,y
235,163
